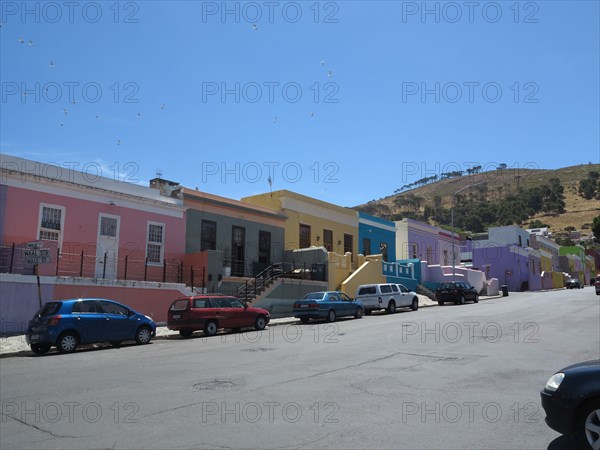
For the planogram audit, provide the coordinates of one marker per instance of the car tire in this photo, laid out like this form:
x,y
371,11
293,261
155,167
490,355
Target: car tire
x,y
391,308
186,333
440,302
587,423
67,342
415,304
368,312
211,328
476,299
461,300
359,313
40,349
143,335
330,316
260,323
304,319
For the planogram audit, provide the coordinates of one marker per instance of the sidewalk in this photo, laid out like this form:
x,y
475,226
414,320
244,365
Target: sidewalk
x,y
16,345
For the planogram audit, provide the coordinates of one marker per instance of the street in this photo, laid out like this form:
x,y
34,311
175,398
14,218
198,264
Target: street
x,y
451,377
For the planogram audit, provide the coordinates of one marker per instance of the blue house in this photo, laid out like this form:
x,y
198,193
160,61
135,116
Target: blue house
x,y
376,236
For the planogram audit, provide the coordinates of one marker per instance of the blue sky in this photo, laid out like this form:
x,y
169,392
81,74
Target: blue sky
x,y
343,101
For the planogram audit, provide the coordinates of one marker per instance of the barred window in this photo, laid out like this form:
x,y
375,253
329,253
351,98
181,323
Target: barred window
x,y
51,223
154,246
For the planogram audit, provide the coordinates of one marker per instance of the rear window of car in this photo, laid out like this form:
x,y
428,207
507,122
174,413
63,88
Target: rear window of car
x,y
446,286
366,290
50,308
314,296
179,305
386,289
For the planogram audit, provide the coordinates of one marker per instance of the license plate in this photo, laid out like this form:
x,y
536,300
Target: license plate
x,y
34,337
303,306
176,316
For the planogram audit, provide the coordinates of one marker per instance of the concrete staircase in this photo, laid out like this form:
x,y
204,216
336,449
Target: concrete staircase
x,y
421,289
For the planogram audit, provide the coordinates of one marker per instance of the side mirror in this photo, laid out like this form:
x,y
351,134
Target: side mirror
x,y
245,305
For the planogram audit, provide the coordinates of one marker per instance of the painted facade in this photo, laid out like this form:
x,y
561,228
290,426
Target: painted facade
x,y
550,262
376,236
313,223
418,240
248,237
576,266
516,267
93,226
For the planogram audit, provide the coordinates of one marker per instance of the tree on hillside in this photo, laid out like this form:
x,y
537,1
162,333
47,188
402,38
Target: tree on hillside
x,y
596,228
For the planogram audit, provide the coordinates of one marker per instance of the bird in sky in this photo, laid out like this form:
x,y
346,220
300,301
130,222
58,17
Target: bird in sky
x,y
51,65
21,40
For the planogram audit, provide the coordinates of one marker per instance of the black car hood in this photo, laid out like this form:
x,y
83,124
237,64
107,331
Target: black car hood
x,y
583,366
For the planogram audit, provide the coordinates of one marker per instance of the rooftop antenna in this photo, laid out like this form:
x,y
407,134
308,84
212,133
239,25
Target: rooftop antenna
x,y
159,173
270,180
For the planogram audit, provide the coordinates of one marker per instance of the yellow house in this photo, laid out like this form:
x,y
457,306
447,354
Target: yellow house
x,y
315,223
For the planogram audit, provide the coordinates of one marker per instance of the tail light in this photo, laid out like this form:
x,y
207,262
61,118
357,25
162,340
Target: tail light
x,y
53,321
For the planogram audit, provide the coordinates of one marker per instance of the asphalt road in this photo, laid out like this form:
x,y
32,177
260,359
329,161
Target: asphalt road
x,y
452,377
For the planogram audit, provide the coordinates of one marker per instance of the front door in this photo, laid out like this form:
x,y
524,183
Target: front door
x,y
107,248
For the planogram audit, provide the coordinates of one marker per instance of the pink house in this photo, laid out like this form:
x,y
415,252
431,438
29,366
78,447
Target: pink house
x,y
87,226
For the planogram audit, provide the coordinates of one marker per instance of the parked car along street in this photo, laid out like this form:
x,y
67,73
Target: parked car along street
x,y
68,323
388,296
574,284
457,292
571,400
328,305
213,312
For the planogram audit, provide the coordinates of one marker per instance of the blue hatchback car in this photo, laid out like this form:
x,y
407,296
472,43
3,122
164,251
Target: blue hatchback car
x,y
69,323
327,305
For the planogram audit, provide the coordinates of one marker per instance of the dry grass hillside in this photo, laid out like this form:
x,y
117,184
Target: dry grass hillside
x,y
579,211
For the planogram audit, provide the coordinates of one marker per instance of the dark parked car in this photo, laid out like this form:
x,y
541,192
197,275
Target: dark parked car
x,y
212,312
68,323
457,292
571,399
597,285
574,284
327,305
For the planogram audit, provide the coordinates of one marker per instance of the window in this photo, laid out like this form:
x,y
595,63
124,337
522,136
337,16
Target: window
x,y
366,246
367,290
113,308
334,298
234,303
264,247
201,303
345,298
154,245
348,243
218,302
208,235
394,288
328,240
386,289
414,251
85,307
304,236
51,222
108,226
180,305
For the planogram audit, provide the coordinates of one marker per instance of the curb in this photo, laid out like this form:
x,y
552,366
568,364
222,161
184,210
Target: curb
x,y
175,335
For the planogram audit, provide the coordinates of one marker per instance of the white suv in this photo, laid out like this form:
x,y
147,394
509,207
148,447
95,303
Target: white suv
x,y
388,296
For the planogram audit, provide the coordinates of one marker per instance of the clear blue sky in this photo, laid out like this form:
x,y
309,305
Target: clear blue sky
x,y
344,101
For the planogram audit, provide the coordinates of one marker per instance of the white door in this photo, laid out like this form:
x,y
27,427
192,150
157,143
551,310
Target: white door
x,y
107,248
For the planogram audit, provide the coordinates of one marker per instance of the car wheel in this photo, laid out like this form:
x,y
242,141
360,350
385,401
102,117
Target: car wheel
x,y
461,300
368,312
40,349
210,329
415,304
260,323
186,333
304,319
331,316
67,342
440,302
143,335
476,299
588,425
359,313
391,309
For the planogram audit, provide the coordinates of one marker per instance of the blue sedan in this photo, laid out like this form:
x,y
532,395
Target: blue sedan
x,y
68,323
327,305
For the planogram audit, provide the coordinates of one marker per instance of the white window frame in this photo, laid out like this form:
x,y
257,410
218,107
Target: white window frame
x,y
162,244
63,212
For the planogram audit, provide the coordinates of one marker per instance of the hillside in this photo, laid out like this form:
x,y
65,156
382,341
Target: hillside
x,y
495,186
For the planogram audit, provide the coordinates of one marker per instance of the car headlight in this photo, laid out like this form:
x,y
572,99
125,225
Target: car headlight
x,y
554,381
